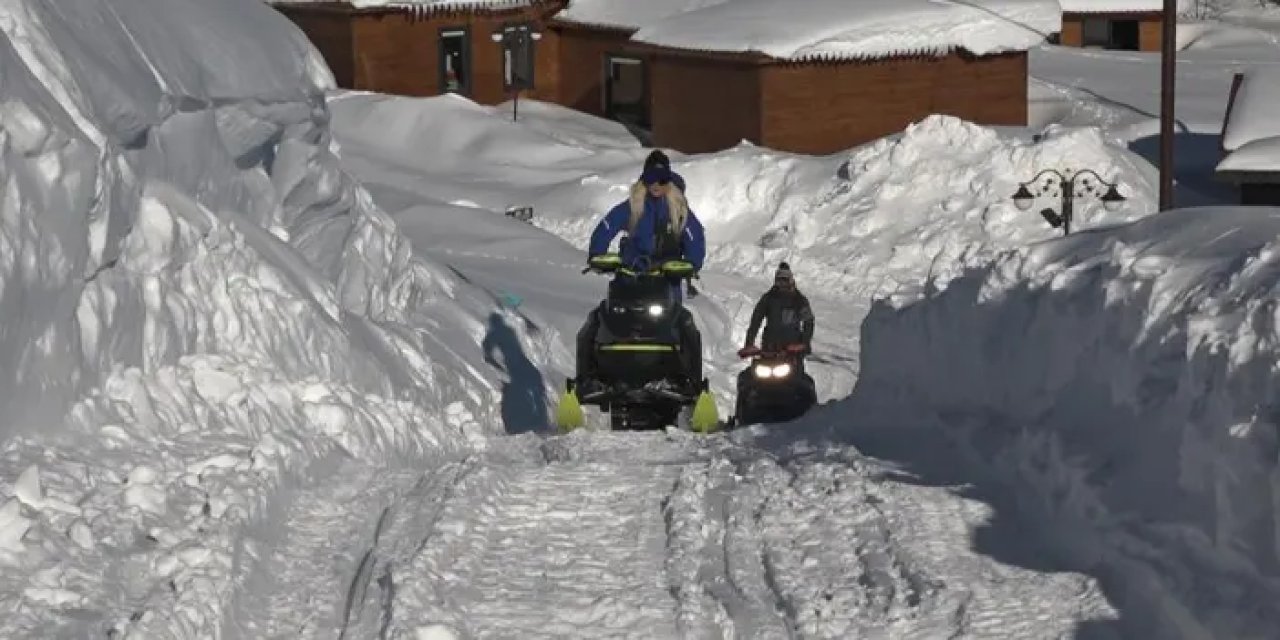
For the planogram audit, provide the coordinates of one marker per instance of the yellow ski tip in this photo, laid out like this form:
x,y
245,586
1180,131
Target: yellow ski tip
x,y
705,416
569,412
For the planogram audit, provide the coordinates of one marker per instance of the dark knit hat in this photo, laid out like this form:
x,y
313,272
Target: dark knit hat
x,y
657,168
783,272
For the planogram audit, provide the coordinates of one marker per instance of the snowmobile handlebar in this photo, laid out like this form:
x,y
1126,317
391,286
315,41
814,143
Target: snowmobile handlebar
x,y
611,263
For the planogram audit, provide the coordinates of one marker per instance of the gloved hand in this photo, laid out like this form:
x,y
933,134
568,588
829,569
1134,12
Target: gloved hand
x,y
748,351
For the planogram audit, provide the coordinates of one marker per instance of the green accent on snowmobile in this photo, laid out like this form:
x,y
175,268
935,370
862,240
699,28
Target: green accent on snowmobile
x,y
637,347
677,269
606,261
705,417
569,412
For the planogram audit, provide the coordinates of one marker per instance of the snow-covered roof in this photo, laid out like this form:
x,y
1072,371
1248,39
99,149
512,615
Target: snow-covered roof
x,y
421,5
628,14
848,29
1252,132
1111,6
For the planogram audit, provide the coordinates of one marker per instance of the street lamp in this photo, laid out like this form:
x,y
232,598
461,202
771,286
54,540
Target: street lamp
x,y
1090,184
515,44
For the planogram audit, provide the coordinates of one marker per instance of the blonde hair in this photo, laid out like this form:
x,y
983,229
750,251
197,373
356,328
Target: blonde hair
x,y
676,205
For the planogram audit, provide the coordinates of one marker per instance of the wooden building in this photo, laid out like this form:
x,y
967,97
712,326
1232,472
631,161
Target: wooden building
x,y
1251,138
593,56
1125,25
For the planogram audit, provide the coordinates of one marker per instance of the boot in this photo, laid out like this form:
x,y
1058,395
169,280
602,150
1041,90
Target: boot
x,y
586,350
691,347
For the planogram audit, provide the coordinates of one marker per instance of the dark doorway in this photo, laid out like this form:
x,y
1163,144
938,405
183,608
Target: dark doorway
x,y
1105,33
626,91
1124,35
455,61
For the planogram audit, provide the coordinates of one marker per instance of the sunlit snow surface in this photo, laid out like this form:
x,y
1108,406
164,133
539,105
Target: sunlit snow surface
x,y
245,395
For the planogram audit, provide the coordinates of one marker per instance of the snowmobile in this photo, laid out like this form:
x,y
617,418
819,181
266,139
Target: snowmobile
x,y
773,389
640,378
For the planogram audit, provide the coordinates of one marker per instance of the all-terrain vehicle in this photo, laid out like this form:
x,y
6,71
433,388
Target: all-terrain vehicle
x,y
640,377
773,388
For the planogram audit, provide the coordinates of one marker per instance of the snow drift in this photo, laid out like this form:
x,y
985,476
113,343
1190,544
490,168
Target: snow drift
x,y
197,303
896,212
1126,381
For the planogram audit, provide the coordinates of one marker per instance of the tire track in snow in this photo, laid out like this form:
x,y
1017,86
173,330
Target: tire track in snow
x,y
312,577
598,535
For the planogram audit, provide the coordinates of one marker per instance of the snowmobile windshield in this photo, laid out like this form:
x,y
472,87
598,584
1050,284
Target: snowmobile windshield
x,y
629,290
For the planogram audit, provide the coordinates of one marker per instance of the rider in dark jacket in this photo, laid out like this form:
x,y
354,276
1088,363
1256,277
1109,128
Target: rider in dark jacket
x,y
786,313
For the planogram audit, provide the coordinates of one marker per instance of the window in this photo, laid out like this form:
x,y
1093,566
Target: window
x,y
626,95
1095,32
1105,33
455,61
518,56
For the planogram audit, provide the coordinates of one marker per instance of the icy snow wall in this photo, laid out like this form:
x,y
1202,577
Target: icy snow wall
x,y
195,303
1125,381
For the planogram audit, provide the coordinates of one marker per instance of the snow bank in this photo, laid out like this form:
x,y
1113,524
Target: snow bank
x,y
1252,115
1127,379
840,29
925,203
198,303
1251,134
896,212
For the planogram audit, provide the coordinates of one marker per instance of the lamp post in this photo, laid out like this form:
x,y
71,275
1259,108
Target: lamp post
x,y
1090,183
515,46
1168,77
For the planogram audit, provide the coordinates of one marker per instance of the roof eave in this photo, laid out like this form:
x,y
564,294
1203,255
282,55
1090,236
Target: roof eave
x,y
414,9
1240,176
759,57
1113,12
569,23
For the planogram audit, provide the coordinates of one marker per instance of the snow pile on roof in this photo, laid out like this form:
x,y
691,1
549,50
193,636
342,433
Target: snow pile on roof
x,y
1111,6
848,29
1126,381
198,304
629,14
421,5
1252,132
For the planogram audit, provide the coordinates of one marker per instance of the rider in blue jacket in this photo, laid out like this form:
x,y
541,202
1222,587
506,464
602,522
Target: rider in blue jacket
x,y
657,219
659,227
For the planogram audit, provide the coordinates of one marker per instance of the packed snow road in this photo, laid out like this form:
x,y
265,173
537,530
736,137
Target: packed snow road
x,y
598,534
645,535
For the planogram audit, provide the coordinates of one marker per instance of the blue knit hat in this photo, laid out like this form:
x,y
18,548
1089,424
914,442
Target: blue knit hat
x,y
657,168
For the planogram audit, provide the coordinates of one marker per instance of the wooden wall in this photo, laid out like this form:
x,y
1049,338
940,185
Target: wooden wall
x,y
397,52
826,107
581,65
703,104
329,29
1150,34
698,102
1149,25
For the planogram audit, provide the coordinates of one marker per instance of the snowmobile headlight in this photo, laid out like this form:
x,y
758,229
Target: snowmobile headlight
x,y
782,370
655,310
764,371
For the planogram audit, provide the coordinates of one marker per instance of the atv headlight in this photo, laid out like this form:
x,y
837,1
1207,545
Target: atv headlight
x,y
655,310
782,370
764,371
